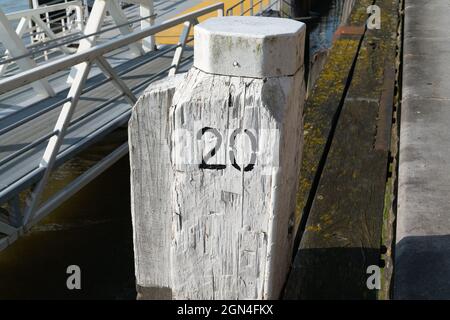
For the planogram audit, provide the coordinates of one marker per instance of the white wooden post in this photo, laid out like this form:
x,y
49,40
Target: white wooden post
x,y
215,161
15,48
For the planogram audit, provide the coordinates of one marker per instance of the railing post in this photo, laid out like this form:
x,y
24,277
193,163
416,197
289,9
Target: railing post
x,y
55,142
20,29
80,18
45,27
120,18
94,25
215,161
147,9
179,50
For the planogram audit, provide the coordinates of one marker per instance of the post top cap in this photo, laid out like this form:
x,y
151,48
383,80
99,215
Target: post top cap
x,y
251,26
249,46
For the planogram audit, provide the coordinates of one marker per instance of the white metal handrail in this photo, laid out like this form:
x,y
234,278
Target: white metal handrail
x,y
29,76
28,13
38,26
38,21
44,138
70,39
83,60
56,29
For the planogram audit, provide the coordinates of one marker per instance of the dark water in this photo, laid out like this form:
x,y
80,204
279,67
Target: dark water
x,y
332,14
93,229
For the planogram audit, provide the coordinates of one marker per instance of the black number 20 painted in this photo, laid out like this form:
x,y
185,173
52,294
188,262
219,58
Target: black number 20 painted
x,y
212,152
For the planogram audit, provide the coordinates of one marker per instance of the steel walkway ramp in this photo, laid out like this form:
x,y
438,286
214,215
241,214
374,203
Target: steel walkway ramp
x,y
37,134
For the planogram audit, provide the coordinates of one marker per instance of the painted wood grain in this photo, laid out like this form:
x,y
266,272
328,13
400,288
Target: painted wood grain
x,y
228,228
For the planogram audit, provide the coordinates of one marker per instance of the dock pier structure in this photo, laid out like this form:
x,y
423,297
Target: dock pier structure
x,y
216,152
215,158
38,134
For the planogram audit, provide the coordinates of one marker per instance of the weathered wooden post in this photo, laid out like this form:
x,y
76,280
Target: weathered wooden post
x,y
215,158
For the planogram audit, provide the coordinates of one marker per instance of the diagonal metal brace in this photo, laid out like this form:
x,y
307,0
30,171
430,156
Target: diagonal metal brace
x,y
119,83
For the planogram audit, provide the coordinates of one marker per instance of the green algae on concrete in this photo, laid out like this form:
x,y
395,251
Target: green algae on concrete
x,y
342,234
324,101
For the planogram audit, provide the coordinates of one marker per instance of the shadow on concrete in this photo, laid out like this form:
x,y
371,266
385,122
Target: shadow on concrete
x,y
422,268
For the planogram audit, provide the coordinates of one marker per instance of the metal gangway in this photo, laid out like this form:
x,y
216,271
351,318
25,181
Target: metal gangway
x,y
60,106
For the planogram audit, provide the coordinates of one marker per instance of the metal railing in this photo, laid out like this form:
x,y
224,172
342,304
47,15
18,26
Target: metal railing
x,y
67,16
81,62
252,7
38,26
66,40
67,35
